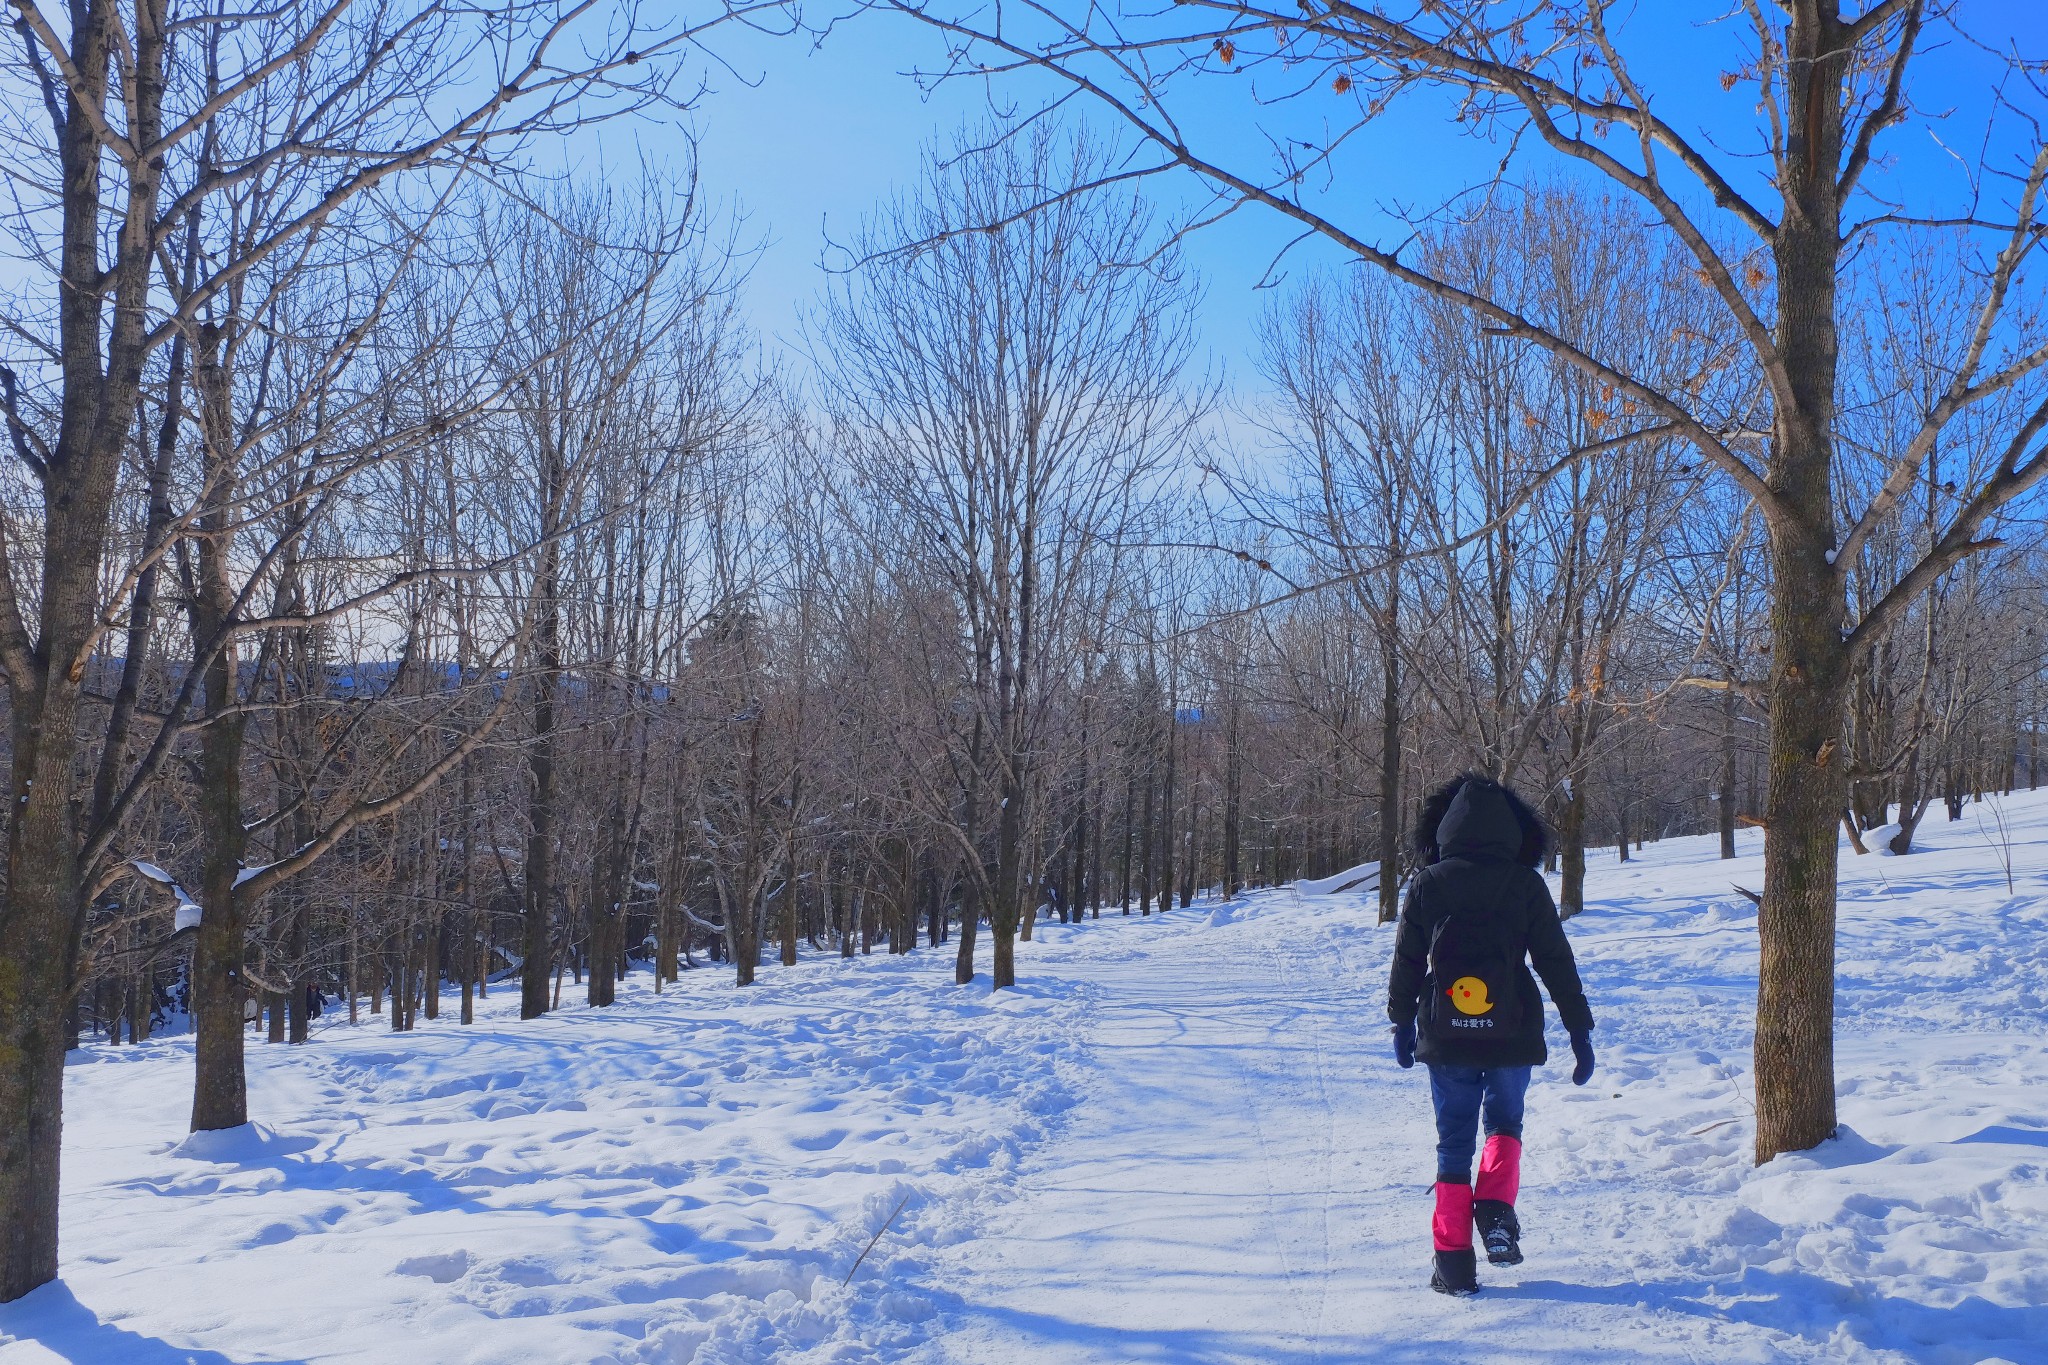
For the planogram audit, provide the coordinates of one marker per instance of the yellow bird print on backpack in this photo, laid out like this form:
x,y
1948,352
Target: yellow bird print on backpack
x,y
1468,993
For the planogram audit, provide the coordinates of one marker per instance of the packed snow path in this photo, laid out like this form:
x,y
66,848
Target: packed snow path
x,y
1181,1140
1207,1198
1248,1176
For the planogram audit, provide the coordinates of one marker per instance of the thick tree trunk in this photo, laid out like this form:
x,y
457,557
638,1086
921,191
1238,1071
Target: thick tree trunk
x,y
1003,953
42,893
219,989
1795,1087
219,1092
101,362
1808,786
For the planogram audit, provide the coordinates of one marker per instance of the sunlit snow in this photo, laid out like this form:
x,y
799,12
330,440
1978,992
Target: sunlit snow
x,y
1182,1140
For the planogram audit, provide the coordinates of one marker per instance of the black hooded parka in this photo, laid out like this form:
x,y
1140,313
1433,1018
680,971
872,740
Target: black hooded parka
x,y
1487,846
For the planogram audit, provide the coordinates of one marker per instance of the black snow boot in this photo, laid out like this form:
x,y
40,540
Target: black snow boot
x,y
1456,1272
1499,1231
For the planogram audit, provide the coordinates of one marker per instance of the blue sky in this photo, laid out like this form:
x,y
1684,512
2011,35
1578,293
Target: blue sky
x,y
804,140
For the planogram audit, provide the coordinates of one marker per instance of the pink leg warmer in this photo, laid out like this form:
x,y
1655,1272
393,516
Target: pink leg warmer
x,y
1452,1226
1500,1170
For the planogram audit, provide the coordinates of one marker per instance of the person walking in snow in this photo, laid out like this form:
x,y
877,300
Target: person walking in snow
x,y
1463,1002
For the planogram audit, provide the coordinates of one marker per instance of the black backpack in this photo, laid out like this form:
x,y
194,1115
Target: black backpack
x,y
1472,992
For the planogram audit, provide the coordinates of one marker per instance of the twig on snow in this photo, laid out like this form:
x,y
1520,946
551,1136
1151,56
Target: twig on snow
x,y
874,1239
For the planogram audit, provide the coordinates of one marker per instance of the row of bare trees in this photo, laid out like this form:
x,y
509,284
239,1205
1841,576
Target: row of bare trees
x,y
240,325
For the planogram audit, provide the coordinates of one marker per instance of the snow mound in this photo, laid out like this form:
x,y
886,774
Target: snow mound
x,y
1364,877
241,1145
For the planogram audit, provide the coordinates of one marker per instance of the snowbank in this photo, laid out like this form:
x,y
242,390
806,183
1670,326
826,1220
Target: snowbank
x,y
1364,877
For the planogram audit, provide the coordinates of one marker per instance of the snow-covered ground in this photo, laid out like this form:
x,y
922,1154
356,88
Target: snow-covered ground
x,y
1183,1140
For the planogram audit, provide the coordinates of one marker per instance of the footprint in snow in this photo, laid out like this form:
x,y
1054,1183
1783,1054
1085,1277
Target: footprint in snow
x,y
820,1142
442,1268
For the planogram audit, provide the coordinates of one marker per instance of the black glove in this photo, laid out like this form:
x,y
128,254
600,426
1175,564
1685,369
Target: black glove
x,y
1582,1049
1404,1045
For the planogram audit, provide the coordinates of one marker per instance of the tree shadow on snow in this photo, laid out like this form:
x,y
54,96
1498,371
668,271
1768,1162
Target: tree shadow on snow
x,y
2008,1135
1417,1344
1811,1307
52,1317
474,1189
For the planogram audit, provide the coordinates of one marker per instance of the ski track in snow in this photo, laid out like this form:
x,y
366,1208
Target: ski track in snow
x,y
1183,1140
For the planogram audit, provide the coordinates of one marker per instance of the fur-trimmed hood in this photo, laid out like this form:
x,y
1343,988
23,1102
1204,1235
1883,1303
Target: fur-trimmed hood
x,y
1475,817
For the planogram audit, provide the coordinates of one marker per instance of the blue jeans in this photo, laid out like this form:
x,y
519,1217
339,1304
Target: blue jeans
x,y
1461,1094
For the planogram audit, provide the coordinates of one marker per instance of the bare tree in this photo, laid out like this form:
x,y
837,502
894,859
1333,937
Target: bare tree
x,y
1004,395
1359,412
